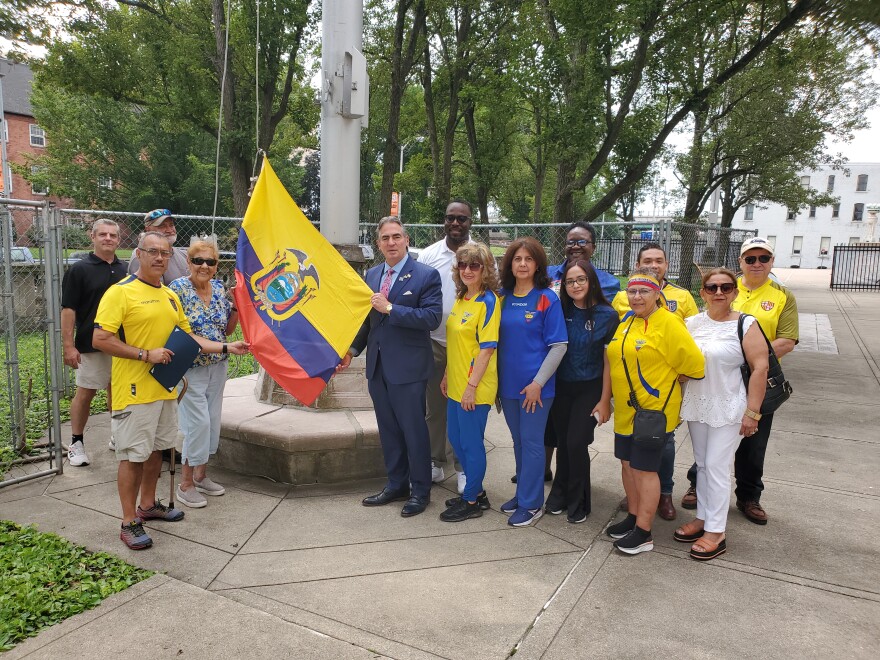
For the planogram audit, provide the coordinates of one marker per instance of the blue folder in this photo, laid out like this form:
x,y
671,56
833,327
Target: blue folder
x,y
185,350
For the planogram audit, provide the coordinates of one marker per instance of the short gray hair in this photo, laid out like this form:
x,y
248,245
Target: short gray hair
x,y
104,221
157,234
388,219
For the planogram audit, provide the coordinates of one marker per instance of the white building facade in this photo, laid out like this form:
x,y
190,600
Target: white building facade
x,y
806,238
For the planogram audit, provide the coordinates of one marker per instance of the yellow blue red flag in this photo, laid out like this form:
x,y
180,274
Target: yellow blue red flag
x,y
299,302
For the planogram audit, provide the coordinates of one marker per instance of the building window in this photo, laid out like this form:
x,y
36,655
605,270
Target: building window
x,y
812,211
105,183
830,183
862,183
797,244
835,211
792,214
772,241
858,210
38,187
824,245
805,181
38,136
750,212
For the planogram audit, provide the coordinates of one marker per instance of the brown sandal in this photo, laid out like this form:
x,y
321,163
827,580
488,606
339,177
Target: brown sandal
x,y
704,549
688,533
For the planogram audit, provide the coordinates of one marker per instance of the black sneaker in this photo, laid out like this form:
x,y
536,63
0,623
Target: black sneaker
x,y
578,518
553,509
482,501
621,529
638,540
461,510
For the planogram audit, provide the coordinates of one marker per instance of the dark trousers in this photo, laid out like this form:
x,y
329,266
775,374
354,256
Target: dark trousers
x,y
403,433
748,463
574,425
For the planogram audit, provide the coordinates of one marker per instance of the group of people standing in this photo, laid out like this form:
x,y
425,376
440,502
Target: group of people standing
x,y
553,363
116,320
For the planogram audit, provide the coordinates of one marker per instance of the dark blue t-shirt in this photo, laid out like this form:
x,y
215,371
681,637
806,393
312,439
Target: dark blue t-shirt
x,y
610,284
529,325
589,331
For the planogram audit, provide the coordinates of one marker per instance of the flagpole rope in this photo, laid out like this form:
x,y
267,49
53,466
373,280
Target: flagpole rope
x,y
220,117
257,83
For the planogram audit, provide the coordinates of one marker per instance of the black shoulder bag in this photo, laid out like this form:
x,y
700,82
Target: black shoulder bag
x,y
649,426
778,388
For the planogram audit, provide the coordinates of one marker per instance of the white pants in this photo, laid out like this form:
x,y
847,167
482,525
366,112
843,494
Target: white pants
x,y
200,410
713,453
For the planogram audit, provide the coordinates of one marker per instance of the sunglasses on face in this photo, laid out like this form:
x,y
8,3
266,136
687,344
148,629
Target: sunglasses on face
x,y
580,242
473,266
460,219
727,287
764,258
198,261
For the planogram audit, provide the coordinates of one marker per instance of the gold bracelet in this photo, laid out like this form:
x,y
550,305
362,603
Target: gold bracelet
x,y
754,415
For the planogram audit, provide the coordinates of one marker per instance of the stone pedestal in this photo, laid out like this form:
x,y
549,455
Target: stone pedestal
x,y
347,389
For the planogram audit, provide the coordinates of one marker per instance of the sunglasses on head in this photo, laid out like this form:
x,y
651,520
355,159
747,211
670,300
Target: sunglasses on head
x,y
727,287
473,266
159,213
198,261
460,219
764,258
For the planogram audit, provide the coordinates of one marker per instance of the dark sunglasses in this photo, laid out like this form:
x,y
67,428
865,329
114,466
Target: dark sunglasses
x,y
727,287
581,242
764,259
198,261
473,266
460,219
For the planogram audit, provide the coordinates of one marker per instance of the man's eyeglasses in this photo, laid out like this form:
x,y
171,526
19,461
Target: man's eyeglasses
x,y
156,252
639,292
580,281
764,259
473,266
460,219
198,261
727,287
580,242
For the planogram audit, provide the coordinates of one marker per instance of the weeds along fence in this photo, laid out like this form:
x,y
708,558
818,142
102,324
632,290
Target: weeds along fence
x,y
39,242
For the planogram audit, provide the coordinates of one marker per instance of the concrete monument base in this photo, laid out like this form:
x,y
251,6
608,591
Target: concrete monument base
x,y
297,445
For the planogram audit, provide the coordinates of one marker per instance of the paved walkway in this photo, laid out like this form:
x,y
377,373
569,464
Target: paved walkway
x,y
307,572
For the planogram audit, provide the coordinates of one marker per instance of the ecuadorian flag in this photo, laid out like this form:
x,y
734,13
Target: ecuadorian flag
x,y
299,302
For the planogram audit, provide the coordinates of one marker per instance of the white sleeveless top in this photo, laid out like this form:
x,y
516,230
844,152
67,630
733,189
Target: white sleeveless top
x,y
718,399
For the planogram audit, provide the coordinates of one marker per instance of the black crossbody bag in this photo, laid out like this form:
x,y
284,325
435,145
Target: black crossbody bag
x,y
778,388
649,426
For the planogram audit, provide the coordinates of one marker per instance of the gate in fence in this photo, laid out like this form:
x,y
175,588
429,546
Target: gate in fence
x,y
856,267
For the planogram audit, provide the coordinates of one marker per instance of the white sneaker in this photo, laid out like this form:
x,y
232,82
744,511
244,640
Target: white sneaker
x,y
76,454
462,482
112,443
191,498
437,474
208,487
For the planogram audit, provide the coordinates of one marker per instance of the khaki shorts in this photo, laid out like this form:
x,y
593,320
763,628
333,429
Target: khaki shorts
x,y
142,428
93,372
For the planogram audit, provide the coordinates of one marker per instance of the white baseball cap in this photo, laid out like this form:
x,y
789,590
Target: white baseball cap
x,y
755,242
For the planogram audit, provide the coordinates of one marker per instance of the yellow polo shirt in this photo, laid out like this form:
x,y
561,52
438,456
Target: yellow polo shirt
x,y
773,305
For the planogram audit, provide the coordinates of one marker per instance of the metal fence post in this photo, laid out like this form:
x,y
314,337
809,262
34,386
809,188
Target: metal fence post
x,y
53,268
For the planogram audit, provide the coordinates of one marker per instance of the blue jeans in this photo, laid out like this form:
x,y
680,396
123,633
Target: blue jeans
x,y
466,429
527,431
667,465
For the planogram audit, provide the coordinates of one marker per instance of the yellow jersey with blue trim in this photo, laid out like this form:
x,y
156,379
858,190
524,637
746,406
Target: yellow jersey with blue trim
x,y
678,300
142,315
658,350
773,305
471,326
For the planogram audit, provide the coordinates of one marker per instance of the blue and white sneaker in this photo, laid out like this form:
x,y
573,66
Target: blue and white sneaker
x,y
525,517
509,507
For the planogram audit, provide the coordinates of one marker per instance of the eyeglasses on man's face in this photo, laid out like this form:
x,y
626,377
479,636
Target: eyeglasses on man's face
x,y
198,261
726,287
580,242
473,266
580,281
763,258
156,252
460,219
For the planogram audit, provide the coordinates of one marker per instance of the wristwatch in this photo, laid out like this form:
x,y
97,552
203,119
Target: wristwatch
x,y
388,308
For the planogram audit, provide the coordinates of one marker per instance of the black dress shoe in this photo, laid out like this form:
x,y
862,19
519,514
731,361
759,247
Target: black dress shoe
x,y
387,495
414,506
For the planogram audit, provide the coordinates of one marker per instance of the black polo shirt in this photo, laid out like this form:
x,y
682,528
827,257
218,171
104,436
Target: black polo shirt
x,y
83,286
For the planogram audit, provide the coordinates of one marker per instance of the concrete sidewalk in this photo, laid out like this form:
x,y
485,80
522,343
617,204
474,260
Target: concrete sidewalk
x,y
274,570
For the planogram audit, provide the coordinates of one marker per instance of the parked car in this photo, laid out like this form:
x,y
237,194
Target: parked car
x,y
19,255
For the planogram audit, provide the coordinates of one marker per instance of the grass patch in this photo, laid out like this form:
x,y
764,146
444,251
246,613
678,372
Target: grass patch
x,y
45,579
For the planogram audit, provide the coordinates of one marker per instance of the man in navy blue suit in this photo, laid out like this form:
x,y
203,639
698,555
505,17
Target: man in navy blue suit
x,y
407,305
